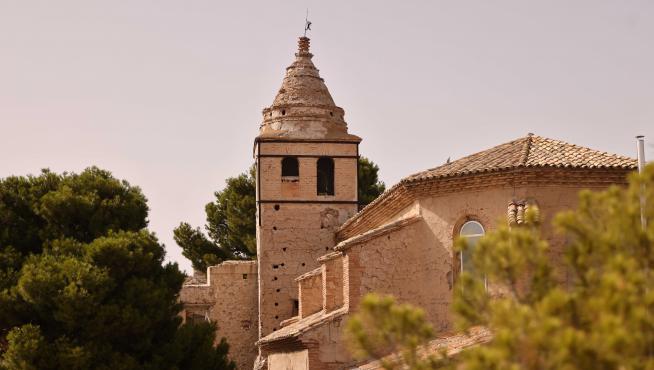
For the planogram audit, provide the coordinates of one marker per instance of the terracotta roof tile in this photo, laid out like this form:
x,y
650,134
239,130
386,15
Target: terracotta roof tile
x,y
453,344
528,151
302,325
531,151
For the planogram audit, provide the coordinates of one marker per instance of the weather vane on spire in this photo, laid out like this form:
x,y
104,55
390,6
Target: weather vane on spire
x,y
307,23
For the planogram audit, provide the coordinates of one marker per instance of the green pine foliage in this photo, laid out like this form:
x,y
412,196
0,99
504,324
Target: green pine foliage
x,y
601,316
231,219
382,326
83,284
231,225
369,185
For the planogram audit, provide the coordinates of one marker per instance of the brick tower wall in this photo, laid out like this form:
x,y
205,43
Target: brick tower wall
x,y
295,226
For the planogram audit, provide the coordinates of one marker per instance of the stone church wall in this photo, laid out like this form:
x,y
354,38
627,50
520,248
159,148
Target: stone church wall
x,y
446,214
333,282
408,264
415,262
310,292
230,300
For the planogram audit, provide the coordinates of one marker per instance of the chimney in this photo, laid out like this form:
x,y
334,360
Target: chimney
x,y
640,142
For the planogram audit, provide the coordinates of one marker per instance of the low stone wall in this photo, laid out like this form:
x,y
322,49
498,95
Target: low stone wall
x,y
332,281
310,292
229,298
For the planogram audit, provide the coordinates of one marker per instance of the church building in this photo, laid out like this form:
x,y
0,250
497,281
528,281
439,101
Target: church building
x,y
318,255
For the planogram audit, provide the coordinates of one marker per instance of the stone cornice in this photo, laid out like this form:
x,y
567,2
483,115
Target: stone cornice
x,y
312,273
376,233
301,326
330,256
346,139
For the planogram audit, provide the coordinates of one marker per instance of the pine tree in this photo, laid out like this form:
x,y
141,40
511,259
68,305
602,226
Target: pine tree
x,y
602,318
83,284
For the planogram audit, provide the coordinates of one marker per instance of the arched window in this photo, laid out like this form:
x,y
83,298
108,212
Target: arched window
x,y
325,176
471,232
290,167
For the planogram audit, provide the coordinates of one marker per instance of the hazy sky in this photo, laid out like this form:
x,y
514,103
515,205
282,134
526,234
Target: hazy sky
x,y
168,94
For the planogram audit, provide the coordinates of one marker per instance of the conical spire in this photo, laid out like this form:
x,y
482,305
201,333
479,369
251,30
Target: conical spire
x,y
303,107
302,84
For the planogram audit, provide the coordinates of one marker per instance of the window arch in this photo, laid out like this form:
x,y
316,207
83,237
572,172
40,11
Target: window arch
x,y
471,232
325,176
290,167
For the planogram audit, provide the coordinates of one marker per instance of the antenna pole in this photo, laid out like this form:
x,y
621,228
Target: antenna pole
x,y
640,145
307,23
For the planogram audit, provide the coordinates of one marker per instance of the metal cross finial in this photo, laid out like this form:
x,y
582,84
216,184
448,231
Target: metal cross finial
x,y
307,24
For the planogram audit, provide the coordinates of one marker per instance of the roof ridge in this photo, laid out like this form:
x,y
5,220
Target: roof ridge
x,y
527,149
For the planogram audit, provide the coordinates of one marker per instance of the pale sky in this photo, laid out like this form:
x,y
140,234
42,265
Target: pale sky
x,y
168,94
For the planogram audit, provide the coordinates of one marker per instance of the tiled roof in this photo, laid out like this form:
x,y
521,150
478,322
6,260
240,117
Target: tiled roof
x,y
528,151
453,344
302,325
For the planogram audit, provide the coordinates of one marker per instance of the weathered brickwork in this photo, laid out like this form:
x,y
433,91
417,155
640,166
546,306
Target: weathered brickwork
x,y
290,241
310,292
229,298
291,236
332,282
272,185
407,263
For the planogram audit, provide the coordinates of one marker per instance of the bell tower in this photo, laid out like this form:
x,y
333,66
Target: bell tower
x,y
306,185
